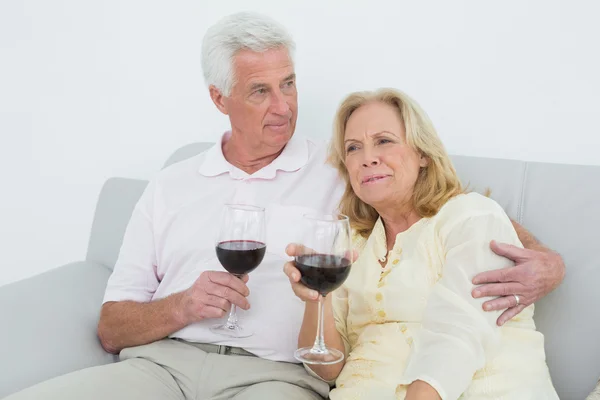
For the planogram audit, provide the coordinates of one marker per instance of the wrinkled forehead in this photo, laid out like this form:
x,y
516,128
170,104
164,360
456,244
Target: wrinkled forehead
x,y
374,119
273,65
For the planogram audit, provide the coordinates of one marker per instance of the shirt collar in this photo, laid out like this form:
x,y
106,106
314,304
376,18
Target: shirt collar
x,y
294,156
379,240
378,237
214,161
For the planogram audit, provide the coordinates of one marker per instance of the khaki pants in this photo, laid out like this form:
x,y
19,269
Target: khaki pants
x,y
170,369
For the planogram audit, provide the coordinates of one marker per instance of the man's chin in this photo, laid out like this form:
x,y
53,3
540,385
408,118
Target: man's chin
x,y
280,138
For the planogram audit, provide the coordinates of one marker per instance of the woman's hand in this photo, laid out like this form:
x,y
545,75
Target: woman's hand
x,y
309,324
304,293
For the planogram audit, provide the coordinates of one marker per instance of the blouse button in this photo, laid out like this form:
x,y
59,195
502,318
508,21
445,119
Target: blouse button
x,y
378,297
381,313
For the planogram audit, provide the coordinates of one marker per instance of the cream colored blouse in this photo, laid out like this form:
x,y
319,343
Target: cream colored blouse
x,y
415,319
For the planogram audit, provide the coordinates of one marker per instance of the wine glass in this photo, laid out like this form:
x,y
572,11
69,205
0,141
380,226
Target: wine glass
x,y
324,262
240,248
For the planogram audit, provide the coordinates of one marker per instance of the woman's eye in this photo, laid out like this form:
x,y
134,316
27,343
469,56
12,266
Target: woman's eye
x,y
384,141
350,148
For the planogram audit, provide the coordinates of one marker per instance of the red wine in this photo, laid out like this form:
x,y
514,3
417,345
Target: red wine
x,y
323,272
239,257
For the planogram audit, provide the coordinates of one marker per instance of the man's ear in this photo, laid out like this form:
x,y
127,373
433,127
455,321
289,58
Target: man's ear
x,y
217,97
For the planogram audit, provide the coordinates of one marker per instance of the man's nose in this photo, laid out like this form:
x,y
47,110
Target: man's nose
x,y
279,104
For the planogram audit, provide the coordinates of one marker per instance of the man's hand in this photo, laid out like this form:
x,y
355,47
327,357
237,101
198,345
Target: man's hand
x,y
535,274
128,323
211,296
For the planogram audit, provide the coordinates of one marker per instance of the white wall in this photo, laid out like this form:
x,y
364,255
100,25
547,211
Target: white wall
x,y
89,90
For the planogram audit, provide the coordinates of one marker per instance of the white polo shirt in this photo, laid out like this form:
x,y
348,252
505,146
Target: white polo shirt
x,y
170,239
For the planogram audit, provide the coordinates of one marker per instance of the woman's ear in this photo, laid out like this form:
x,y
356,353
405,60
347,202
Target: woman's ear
x,y
424,161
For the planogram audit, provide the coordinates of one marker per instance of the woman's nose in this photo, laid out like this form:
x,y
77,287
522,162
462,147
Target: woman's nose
x,y
370,161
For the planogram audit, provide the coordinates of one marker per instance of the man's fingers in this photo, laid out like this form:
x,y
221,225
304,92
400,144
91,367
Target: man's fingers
x,y
495,276
497,289
509,314
229,294
217,302
508,250
231,281
502,303
212,312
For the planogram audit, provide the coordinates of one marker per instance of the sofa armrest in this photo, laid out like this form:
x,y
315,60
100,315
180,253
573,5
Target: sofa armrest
x,y
48,325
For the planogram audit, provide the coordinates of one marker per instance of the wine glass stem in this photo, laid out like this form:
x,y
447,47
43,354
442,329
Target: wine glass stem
x,y
319,346
232,321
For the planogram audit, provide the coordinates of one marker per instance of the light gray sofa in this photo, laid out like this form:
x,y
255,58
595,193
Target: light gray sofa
x,y
49,321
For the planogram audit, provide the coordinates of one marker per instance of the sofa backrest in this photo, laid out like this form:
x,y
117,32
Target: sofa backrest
x,y
557,203
115,204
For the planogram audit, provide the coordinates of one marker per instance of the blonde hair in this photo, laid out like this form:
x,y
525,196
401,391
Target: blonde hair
x,y
437,182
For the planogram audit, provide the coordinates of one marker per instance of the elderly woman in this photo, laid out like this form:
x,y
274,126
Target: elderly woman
x,y
405,317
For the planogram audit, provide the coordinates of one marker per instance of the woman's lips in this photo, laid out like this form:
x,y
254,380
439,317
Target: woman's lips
x,y
367,180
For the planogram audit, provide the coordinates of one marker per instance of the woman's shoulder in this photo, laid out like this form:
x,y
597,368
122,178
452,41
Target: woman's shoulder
x,y
469,205
473,215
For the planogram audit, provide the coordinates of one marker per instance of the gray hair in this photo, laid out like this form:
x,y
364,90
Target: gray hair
x,y
240,31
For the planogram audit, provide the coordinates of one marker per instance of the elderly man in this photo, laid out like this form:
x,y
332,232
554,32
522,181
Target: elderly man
x,y
168,289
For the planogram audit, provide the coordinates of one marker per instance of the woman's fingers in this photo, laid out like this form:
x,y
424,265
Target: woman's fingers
x,y
299,289
305,293
295,249
292,272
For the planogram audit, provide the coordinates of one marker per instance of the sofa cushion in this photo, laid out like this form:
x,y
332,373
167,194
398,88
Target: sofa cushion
x,y
49,325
